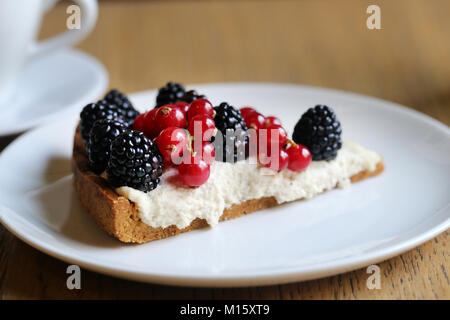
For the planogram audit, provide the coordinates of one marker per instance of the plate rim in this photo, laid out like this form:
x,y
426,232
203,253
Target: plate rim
x,y
268,278
243,280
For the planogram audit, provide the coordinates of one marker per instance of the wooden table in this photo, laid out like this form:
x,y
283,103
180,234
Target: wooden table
x,y
324,43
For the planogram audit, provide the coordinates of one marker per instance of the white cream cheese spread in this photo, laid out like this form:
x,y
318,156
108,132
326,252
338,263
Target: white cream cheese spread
x,y
172,203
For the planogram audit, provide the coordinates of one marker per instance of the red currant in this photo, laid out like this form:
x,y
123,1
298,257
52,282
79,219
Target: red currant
x,y
199,107
207,152
169,116
246,110
271,120
194,173
149,126
278,161
138,123
172,142
299,157
276,134
255,120
183,106
202,127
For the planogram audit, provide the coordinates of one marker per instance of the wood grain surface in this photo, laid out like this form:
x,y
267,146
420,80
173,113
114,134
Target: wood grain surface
x,y
143,44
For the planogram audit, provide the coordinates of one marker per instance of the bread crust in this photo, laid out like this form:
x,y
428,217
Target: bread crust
x,y
120,217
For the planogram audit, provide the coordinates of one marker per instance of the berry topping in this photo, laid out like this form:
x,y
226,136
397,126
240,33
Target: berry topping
x,y
208,153
98,146
200,107
270,145
138,123
299,157
191,96
169,116
271,120
277,159
232,145
255,120
172,143
170,93
183,106
320,131
202,127
246,110
194,172
150,127
96,111
276,135
134,162
124,106
228,117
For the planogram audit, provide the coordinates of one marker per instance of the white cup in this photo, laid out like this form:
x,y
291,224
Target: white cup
x,y
20,21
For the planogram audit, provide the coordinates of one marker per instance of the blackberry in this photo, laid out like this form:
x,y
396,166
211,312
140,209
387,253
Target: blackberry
x,y
234,142
102,134
124,106
134,162
320,131
228,117
192,95
170,93
96,111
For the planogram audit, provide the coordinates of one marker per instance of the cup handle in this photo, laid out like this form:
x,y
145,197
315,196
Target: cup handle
x,y
89,13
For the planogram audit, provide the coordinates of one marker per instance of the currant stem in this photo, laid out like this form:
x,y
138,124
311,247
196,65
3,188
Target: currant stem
x,y
290,142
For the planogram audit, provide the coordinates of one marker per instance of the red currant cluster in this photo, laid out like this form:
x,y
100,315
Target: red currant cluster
x,y
274,149
182,131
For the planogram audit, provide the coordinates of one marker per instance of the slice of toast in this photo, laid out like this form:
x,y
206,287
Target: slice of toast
x,y
120,217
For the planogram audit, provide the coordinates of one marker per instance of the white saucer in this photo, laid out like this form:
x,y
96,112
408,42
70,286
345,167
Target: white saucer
x,y
50,87
338,231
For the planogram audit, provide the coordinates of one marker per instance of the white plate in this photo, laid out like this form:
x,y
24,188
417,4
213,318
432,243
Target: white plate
x,y
52,86
332,233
